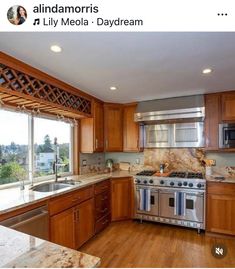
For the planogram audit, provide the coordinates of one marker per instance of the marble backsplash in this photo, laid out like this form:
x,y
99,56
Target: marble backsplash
x,y
185,159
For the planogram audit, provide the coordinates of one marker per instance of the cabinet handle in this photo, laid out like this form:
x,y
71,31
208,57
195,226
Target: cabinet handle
x,y
96,143
106,143
75,216
104,210
105,198
137,144
76,199
104,222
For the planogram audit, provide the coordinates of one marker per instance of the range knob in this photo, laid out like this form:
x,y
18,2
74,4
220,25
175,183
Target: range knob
x,y
138,180
162,182
179,184
145,181
151,181
190,185
199,185
172,183
185,183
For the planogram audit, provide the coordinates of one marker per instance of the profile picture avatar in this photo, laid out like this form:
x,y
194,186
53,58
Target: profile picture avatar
x,y
17,15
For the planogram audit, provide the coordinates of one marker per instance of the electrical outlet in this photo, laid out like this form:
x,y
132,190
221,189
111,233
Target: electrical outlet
x,y
137,161
84,162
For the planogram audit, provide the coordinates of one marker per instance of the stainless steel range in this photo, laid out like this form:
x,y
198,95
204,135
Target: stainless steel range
x,y
178,199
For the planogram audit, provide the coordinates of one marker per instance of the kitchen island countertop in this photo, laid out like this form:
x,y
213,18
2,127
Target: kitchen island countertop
x,y
24,251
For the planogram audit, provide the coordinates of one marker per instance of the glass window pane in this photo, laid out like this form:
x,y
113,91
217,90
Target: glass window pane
x,y
45,132
13,147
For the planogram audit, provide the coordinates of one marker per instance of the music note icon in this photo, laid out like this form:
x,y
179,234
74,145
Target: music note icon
x,y
36,22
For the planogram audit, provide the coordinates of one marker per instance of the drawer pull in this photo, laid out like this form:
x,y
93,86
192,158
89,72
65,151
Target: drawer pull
x,y
104,222
105,198
104,210
76,199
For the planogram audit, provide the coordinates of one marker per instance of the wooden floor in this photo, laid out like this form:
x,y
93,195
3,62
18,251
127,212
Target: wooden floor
x,y
131,244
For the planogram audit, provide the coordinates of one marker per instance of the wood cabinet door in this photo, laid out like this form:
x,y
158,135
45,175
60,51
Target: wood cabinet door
x,y
62,228
228,106
98,127
212,111
122,198
87,135
84,229
221,213
130,129
113,122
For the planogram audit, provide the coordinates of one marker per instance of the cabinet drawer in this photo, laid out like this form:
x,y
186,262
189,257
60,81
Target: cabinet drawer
x,y
102,204
102,223
63,202
221,188
102,186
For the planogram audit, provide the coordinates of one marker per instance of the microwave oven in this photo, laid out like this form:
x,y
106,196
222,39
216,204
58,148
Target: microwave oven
x,y
227,135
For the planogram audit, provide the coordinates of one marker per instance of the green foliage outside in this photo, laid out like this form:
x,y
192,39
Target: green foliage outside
x,y
11,172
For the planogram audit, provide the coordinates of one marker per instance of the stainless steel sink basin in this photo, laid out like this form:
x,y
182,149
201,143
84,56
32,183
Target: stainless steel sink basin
x,y
51,186
70,182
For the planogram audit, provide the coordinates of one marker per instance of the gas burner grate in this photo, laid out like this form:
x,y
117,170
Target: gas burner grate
x,y
178,174
195,175
146,173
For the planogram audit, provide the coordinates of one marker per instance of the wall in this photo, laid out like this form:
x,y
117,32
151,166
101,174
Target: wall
x,y
95,162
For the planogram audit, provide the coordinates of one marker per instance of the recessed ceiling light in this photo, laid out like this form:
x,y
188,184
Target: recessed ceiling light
x,y
56,48
207,71
113,88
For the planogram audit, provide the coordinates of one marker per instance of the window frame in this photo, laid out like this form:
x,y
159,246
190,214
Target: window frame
x,y
30,171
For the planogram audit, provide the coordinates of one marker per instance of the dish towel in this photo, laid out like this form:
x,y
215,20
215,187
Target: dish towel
x,y
145,199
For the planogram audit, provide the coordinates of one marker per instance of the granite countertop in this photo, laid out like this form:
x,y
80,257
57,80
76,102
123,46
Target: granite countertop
x,y
25,251
218,178
14,198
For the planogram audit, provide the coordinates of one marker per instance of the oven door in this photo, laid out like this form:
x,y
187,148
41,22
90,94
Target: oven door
x,y
180,204
153,201
227,135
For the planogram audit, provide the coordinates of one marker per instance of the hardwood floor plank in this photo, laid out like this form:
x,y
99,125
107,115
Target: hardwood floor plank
x,y
131,244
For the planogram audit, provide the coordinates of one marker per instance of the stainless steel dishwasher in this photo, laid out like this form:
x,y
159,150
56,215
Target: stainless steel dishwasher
x,y
34,222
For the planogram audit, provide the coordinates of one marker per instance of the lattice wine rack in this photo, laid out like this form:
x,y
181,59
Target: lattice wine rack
x,y
17,89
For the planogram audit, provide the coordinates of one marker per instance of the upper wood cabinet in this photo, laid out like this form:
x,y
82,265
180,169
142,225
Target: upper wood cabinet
x,y
92,131
113,127
122,198
220,208
228,106
131,133
212,111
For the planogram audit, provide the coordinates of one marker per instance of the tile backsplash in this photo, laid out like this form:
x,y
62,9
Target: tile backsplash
x,y
89,163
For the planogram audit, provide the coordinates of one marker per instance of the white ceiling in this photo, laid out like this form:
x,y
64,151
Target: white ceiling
x,y
143,66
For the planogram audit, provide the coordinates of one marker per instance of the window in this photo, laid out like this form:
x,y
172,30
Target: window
x,y
13,147
45,132
19,132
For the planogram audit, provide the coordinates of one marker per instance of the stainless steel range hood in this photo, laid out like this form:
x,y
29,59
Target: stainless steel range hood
x,y
172,110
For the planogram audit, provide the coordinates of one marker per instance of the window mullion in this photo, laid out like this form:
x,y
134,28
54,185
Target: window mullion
x,y
31,148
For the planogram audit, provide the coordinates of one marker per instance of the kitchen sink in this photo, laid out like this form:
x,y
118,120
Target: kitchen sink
x,y
70,182
51,186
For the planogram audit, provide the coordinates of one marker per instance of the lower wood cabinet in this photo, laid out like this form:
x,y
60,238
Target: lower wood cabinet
x,y
84,224
221,208
62,228
102,205
122,198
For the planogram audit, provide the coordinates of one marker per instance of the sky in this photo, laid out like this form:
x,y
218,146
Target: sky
x,y
14,128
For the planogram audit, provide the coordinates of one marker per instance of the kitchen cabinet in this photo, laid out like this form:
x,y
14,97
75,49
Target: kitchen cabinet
x,y
62,228
228,106
220,208
212,111
84,224
131,130
92,130
113,127
102,205
122,198
72,218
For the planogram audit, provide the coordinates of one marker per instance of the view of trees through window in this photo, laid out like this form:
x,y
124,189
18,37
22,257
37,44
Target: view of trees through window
x,y
14,141
13,147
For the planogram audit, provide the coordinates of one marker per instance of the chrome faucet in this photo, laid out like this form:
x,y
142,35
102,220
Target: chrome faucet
x,y
56,163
